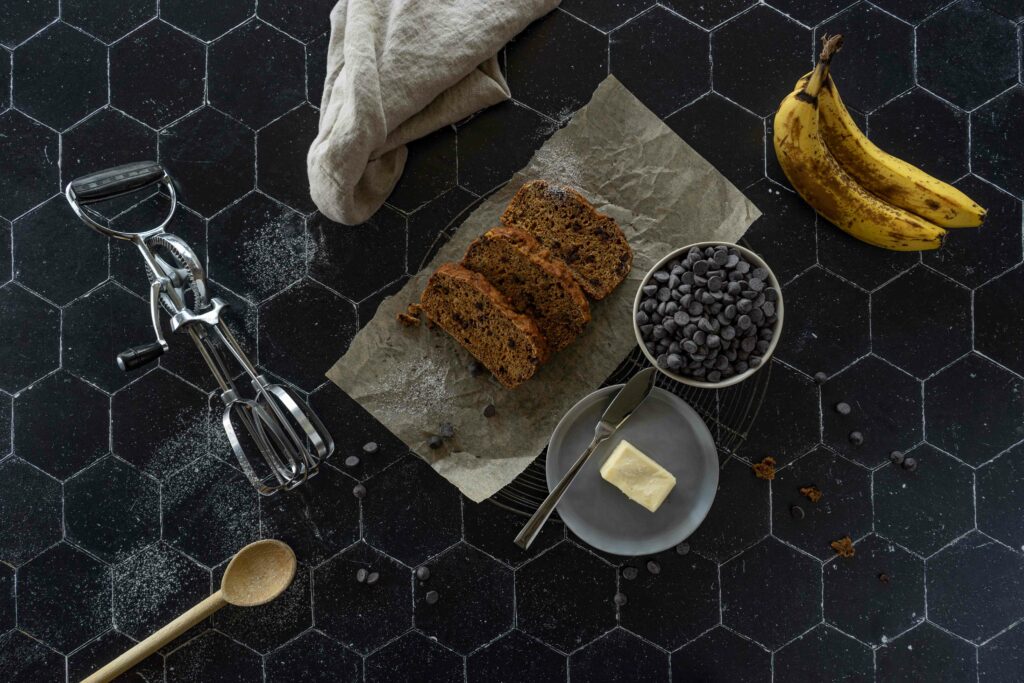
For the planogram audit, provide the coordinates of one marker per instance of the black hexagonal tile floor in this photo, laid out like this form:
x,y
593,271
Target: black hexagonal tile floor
x,y
157,74
30,512
19,20
60,75
981,254
81,259
198,18
430,170
784,234
996,144
111,510
160,423
644,55
358,260
28,172
1002,658
320,314
255,73
316,69
708,14
844,508
60,582
362,616
29,338
619,656
862,264
916,306
433,219
6,267
1000,497
210,510
489,527
809,12
497,142
966,68
826,323
211,157
721,655
414,657
912,11
367,308
99,651
564,597
876,594
87,148
997,401
272,625
281,147
606,15
25,660
923,130
474,604
515,657
885,407
7,597
759,84
926,508
411,513
304,21
155,586
713,117
107,23
63,424
771,593
827,654
994,335
315,658
926,653
213,656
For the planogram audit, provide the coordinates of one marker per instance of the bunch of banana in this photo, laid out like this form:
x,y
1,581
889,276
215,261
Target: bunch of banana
x,y
866,192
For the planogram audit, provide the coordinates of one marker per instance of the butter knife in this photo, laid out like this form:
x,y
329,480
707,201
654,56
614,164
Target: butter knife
x,y
618,411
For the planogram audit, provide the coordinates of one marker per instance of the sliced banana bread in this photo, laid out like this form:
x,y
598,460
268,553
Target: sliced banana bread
x,y
466,306
561,219
533,280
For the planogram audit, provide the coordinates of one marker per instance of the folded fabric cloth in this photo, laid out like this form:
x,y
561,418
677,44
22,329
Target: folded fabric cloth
x,y
396,71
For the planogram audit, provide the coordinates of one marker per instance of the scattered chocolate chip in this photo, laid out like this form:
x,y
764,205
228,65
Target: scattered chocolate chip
x,y
630,573
490,410
856,438
370,447
910,464
683,548
820,377
884,578
620,599
843,408
797,512
422,573
359,491
372,578
446,430
435,442
653,567
476,368
896,457
431,597
361,575
351,461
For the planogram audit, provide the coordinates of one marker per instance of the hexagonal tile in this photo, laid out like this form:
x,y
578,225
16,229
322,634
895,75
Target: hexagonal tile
x,y
316,69
919,305
1010,9
564,597
64,581
413,657
24,659
212,158
923,130
255,73
994,334
784,234
97,652
786,425
410,512
712,117
430,170
966,68
820,310
489,527
844,509
62,424
475,603
674,606
434,219
318,523
771,593
975,588
359,615
86,148
7,597
997,244
154,587
996,398
1002,658
157,74
311,307
810,12
111,510
644,55
619,655
996,144
200,19
927,508
926,653
515,657
60,75
889,420
878,62
759,84
860,263
825,653
497,142
29,338
888,583
708,14
315,658
159,423
721,655
282,148
209,511
6,267
81,260
367,308
912,11
28,163
999,495
257,247
30,511
606,16
19,20
304,21
213,657
350,259
272,625
106,22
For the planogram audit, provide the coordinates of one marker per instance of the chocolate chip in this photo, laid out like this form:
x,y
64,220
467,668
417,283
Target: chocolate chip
x,y
896,458
856,438
372,578
370,447
359,491
446,430
797,512
843,408
361,575
910,464
629,573
683,548
476,368
422,573
820,377
435,442
650,290
490,410
351,461
884,578
620,599
653,567
431,597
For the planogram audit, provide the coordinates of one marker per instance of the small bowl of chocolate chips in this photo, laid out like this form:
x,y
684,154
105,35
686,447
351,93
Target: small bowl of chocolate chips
x,y
709,314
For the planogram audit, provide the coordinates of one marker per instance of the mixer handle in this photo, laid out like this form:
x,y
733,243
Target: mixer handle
x,y
116,181
137,356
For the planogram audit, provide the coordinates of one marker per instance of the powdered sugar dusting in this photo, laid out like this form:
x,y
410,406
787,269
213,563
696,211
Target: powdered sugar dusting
x,y
273,256
415,387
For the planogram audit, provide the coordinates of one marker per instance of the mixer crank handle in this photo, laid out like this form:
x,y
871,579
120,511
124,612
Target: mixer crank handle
x,y
137,356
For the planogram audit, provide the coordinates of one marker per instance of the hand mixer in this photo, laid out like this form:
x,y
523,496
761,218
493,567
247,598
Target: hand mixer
x,y
275,422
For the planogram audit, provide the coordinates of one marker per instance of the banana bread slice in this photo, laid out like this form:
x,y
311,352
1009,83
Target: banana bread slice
x,y
466,306
533,280
561,219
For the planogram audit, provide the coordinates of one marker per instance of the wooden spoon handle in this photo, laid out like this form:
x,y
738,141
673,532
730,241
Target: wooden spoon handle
x,y
156,641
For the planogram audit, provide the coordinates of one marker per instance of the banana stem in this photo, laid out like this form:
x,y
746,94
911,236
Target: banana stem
x,y
830,46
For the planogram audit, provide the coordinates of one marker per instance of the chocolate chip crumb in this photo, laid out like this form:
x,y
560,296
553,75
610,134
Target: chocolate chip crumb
x,y
896,458
820,377
370,447
653,567
476,368
361,575
884,578
351,461
435,442
683,548
431,597
490,410
620,599
359,491
856,438
843,408
630,573
422,573
910,464
372,578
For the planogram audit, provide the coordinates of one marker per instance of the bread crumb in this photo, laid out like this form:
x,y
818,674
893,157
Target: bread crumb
x,y
765,469
413,309
408,320
813,493
843,547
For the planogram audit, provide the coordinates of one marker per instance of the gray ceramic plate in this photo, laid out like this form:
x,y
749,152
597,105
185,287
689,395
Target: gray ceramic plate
x,y
666,429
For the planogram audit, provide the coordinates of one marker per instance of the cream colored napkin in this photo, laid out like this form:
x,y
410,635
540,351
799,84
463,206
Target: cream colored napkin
x,y
396,71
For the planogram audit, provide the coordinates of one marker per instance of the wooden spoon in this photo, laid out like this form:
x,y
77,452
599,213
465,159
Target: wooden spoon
x,y
257,574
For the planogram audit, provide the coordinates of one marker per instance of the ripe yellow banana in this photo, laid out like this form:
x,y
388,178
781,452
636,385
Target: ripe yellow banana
x,y
826,186
892,179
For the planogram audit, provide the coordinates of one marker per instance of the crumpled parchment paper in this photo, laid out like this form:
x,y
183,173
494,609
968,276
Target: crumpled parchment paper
x,y
631,166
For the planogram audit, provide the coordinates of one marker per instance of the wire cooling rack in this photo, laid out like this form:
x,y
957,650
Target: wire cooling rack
x,y
728,413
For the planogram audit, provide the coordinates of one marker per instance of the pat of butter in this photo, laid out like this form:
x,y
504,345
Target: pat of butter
x,y
640,478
